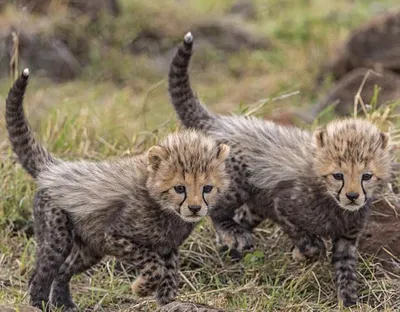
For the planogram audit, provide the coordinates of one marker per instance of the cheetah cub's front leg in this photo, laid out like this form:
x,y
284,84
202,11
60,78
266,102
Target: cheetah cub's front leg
x,y
152,266
168,287
159,274
344,259
152,270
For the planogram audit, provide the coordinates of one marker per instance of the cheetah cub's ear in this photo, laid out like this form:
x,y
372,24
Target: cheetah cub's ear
x,y
385,140
223,152
155,155
319,137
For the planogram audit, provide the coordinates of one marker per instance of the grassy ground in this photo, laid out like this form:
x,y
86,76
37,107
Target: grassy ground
x,y
120,106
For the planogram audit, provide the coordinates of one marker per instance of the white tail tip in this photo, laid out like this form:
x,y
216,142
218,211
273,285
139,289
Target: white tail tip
x,y
188,37
25,72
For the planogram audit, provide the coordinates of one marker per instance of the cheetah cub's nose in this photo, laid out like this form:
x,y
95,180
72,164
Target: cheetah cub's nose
x,y
194,208
352,195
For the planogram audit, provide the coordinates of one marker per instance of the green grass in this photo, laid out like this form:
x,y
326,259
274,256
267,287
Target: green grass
x,y
120,106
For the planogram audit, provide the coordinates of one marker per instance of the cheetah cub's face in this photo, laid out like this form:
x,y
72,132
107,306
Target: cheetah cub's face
x,y
187,173
353,158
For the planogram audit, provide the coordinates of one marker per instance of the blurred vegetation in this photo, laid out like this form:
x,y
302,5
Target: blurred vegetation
x,y
303,36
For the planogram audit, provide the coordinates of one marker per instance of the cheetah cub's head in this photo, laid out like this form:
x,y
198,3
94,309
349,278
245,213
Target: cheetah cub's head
x,y
353,158
187,173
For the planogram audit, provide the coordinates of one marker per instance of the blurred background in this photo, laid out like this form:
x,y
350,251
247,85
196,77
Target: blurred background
x,y
98,88
110,58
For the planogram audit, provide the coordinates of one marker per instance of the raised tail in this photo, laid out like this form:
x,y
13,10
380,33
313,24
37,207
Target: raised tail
x,y
188,107
32,156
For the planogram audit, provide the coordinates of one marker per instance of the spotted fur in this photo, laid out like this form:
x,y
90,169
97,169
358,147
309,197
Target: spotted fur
x,y
138,209
288,175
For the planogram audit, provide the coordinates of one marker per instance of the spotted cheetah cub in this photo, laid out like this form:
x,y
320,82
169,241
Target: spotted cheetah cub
x,y
138,209
313,185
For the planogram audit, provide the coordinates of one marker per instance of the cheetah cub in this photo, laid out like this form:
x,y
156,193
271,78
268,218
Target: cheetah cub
x,y
313,185
138,209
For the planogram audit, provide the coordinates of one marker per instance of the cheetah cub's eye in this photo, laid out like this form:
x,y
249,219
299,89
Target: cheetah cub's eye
x,y
207,188
338,176
180,189
366,176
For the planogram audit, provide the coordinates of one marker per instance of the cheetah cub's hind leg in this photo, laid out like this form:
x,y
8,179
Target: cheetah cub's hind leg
x,y
57,246
80,259
153,267
160,274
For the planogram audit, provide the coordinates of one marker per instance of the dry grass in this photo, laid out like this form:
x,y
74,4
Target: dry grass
x,y
96,118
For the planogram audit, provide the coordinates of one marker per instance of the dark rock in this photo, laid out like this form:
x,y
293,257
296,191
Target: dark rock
x,y
374,45
343,93
45,56
228,36
35,6
244,8
225,35
150,42
93,8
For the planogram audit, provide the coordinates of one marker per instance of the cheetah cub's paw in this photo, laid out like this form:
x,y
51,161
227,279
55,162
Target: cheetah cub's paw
x,y
139,289
311,249
237,242
297,255
348,297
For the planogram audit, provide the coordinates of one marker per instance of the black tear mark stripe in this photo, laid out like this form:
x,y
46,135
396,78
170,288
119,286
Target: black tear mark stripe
x,y
204,199
180,205
341,188
365,193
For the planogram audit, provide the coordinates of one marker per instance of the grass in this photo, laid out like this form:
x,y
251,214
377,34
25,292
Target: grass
x,y
120,106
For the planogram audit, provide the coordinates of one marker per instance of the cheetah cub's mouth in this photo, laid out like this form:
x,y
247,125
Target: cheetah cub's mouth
x,y
353,158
